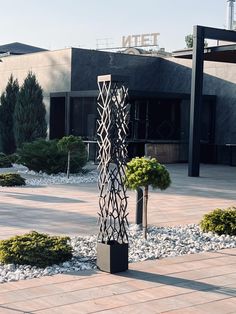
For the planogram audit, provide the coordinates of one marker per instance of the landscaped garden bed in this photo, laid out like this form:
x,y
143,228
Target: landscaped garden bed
x,y
161,242
42,179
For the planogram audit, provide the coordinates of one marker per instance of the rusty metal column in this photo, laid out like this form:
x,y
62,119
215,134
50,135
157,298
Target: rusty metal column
x,y
196,102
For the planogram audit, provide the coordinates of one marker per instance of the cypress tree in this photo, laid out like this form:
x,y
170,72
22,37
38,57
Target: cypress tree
x,y
8,102
29,115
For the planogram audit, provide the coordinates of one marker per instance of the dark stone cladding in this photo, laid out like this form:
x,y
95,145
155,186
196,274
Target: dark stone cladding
x,y
159,75
143,72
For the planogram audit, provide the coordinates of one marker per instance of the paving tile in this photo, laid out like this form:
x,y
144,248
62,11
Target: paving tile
x,y
4,310
227,306
196,283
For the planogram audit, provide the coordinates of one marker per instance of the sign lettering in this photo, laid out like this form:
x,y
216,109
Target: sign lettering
x,y
141,40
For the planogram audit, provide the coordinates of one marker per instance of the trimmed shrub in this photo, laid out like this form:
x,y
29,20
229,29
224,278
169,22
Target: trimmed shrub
x,y
220,221
36,249
11,179
4,161
145,172
42,155
142,171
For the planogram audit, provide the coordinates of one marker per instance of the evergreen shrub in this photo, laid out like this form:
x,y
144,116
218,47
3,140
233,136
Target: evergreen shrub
x,y
29,114
11,179
142,171
14,158
145,172
8,101
42,155
220,221
4,161
72,144
36,249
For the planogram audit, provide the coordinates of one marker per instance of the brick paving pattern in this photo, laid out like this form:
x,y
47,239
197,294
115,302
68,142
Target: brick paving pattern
x,y
198,283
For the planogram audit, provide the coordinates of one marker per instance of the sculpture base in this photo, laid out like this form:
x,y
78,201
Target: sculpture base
x,y
112,257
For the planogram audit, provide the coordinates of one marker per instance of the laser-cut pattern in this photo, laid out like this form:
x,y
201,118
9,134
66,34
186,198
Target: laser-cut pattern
x,y
112,131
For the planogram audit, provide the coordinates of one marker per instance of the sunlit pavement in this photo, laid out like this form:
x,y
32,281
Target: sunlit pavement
x,y
72,209
198,283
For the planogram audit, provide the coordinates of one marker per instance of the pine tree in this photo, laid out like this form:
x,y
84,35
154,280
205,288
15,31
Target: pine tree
x,y
29,115
8,102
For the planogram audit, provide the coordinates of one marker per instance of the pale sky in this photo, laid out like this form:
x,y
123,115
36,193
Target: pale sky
x,y
56,24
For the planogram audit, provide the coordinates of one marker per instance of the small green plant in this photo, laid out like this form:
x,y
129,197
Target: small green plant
x,y
220,221
4,161
14,158
36,249
72,144
142,172
11,179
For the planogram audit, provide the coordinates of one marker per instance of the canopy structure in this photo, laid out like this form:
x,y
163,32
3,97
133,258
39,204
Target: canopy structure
x,y
226,53
198,54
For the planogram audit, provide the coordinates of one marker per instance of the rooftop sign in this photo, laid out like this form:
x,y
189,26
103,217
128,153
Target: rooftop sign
x,y
141,40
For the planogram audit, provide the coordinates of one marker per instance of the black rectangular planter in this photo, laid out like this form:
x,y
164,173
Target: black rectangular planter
x,y
112,257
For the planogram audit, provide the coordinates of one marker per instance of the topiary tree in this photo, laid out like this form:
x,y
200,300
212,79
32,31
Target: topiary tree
x,y
142,172
71,144
29,115
8,102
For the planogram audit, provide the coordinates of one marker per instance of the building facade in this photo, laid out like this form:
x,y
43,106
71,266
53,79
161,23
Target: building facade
x,y
159,95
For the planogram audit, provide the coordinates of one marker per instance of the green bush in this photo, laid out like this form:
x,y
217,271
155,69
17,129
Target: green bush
x,y
142,171
11,179
36,249
42,155
4,161
69,145
145,172
220,221
14,158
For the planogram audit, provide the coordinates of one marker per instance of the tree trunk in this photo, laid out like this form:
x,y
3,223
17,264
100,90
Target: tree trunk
x,y
145,201
68,165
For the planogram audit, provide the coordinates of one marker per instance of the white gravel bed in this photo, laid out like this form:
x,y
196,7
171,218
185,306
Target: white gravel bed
x,y
161,242
42,179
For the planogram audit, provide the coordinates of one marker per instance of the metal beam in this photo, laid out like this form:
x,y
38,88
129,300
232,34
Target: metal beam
x,y
219,34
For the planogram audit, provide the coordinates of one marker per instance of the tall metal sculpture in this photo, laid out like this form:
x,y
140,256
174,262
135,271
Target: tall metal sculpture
x,y
112,247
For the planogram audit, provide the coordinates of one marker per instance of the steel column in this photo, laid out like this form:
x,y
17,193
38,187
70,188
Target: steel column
x,y
67,114
196,102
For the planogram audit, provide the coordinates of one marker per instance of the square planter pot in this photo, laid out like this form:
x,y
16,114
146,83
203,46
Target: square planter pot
x,y
112,257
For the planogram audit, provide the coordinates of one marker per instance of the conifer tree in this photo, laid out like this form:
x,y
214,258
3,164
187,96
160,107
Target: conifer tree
x,y
8,102
145,172
29,115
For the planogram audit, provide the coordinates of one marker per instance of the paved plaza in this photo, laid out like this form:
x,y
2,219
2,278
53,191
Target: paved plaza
x,y
197,283
72,209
